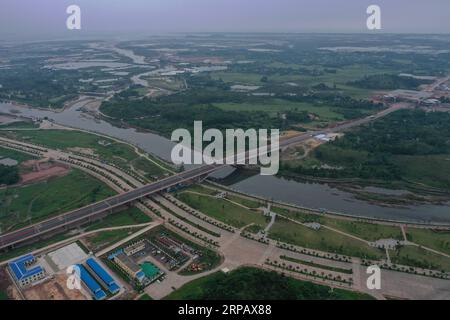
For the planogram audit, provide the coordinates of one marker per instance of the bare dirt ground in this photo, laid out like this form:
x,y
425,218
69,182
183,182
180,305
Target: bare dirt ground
x,y
87,151
301,152
53,289
6,286
38,170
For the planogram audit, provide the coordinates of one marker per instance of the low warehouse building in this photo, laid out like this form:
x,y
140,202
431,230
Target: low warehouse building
x,y
24,272
103,275
91,284
129,266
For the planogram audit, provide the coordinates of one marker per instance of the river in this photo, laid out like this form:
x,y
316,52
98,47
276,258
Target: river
x,y
74,117
323,196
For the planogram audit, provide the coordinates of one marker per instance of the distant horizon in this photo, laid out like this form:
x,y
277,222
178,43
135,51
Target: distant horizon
x,y
46,19
133,36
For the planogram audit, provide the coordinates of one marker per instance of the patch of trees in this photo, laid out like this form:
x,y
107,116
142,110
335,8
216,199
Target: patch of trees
x,y
405,132
444,99
388,82
9,175
38,87
164,114
255,284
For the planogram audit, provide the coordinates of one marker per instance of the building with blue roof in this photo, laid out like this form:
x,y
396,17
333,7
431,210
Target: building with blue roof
x,y
25,271
140,276
103,275
92,285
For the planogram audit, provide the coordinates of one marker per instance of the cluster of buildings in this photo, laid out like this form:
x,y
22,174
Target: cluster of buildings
x,y
420,98
126,260
32,274
390,244
92,275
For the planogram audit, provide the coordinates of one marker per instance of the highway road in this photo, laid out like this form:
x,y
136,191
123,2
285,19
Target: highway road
x,y
75,216
72,217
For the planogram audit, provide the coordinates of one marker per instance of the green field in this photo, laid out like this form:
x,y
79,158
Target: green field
x,y
254,284
21,206
130,216
223,210
340,78
364,230
323,239
105,238
18,156
418,257
367,231
19,125
437,240
3,295
253,204
315,265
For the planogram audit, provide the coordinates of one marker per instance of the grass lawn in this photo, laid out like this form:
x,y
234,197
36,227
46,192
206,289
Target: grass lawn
x,y
367,231
323,239
315,265
3,295
145,297
130,216
437,240
223,210
253,204
148,168
18,156
254,284
19,125
418,257
364,230
340,78
199,188
105,238
21,206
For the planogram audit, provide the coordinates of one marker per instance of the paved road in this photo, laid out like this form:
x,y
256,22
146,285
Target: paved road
x,y
75,216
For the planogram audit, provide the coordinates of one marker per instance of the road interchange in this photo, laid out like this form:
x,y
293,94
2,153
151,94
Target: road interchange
x,y
76,216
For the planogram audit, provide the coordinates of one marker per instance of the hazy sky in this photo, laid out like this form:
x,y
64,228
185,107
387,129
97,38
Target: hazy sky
x,y
46,18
